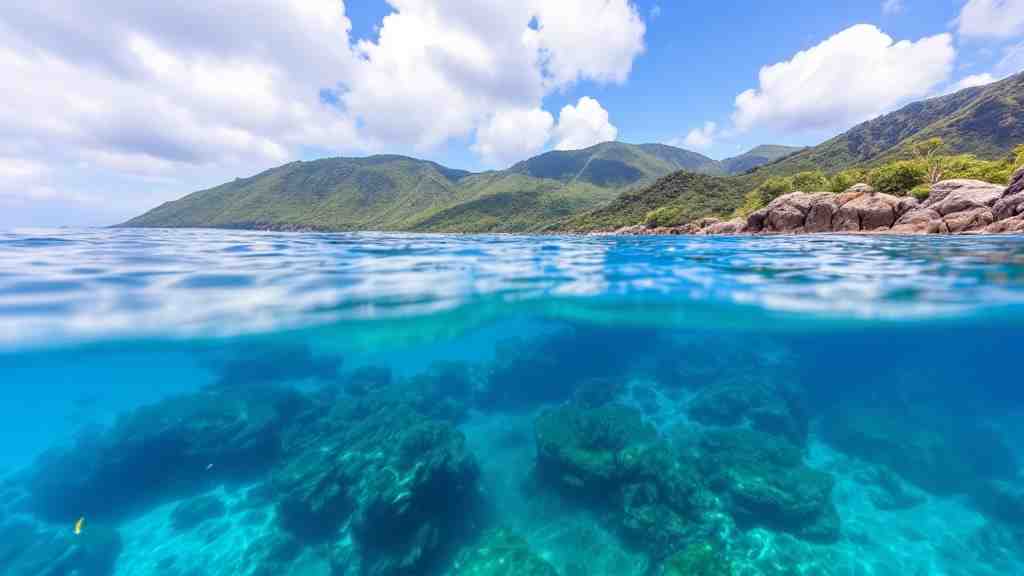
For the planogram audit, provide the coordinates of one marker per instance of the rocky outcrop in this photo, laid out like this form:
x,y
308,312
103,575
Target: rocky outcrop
x,y
953,207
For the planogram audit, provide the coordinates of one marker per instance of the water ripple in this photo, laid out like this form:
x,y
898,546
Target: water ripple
x,y
96,283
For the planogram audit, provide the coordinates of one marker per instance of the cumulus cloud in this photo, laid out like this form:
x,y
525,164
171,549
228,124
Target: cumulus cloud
x,y
583,125
850,77
166,90
511,135
992,19
703,137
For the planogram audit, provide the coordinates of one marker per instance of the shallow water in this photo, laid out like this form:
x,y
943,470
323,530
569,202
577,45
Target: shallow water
x,y
216,402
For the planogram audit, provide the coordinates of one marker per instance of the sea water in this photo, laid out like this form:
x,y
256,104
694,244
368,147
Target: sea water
x,y
192,403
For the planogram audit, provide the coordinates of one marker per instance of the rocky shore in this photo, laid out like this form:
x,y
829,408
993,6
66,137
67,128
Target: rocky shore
x,y
952,207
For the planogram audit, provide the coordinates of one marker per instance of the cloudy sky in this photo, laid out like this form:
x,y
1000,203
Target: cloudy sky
x,y
111,107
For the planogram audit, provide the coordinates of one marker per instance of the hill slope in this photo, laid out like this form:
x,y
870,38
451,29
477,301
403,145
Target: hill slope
x,y
400,193
986,120
759,156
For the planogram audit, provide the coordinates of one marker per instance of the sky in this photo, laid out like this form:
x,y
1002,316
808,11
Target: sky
x,y
112,107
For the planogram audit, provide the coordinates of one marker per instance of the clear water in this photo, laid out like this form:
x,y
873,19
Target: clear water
x,y
220,403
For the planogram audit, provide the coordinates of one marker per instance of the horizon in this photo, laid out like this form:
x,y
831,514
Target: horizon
x,y
114,115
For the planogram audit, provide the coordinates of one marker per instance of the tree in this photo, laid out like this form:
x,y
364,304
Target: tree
x,y
898,178
752,202
843,181
774,187
810,181
928,151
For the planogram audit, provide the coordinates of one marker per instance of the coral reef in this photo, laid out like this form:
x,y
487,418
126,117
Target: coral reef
x,y
501,553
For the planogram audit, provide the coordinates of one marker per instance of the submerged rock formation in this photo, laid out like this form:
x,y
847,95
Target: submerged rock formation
x,y
952,207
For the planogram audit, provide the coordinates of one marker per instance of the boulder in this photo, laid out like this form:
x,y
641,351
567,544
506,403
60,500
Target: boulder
x,y
765,483
1013,225
171,448
191,513
1008,206
501,553
734,226
970,220
921,221
1016,182
906,204
951,196
762,406
756,220
819,216
860,188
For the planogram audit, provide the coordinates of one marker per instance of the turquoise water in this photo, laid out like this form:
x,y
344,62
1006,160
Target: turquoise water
x,y
220,403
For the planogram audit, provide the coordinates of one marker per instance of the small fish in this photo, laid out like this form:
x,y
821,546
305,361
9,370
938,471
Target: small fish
x,y
79,526
209,467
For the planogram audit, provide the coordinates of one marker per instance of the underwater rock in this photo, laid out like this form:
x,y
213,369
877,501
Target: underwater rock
x,y
1002,499
765,483
762,406
539,371
166,449
368,379
699,559
610,459
30,550
501,553
406,484
926,442
893,493
582,450
195,511
273,363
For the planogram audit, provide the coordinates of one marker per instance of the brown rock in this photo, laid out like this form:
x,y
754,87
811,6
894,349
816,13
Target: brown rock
x,y
906,204
861,188
788,212
1016,182
1013,225
952,196
756,220
734,226
972,220
1009,206
867,212
921,221
819,217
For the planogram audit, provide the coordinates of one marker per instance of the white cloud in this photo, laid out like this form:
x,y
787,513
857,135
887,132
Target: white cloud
x,y
587,39
701,138
1012,61
892,6
655,12
512,135
854,75
583,125
992,19
142,88
972,81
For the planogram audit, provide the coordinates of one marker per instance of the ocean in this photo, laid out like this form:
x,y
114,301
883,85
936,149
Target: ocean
x,y
215,403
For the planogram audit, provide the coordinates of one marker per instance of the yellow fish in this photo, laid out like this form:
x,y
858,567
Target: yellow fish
x,y
79,525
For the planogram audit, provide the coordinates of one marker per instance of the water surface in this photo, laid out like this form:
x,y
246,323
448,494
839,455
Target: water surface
x,y
220,402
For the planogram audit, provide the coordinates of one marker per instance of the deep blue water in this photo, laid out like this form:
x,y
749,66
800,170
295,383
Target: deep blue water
x,y
215,403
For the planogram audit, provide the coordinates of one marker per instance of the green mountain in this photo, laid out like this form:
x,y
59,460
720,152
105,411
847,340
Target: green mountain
x,y
764,154
987,121
399,193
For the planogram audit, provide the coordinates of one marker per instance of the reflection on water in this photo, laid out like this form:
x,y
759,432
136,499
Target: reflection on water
x,y
220,403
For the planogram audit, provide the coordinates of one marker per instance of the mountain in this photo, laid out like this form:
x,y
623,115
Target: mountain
x,y
987,121
764,154
689,195
400,193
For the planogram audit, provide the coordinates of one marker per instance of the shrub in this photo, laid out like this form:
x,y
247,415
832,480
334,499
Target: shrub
x,y
921,192
1018,154
842,181
774,187
664,216
752,202
810,181
969,166
898,178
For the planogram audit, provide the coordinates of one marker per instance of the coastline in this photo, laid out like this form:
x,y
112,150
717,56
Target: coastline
x,y
955,207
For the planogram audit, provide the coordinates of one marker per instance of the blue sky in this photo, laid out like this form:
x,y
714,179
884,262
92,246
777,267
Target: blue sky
x,y
121,105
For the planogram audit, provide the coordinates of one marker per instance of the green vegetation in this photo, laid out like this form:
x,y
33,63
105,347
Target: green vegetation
x,y
969,134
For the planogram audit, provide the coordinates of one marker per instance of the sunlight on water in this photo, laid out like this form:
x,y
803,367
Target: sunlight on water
x,y
221,403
